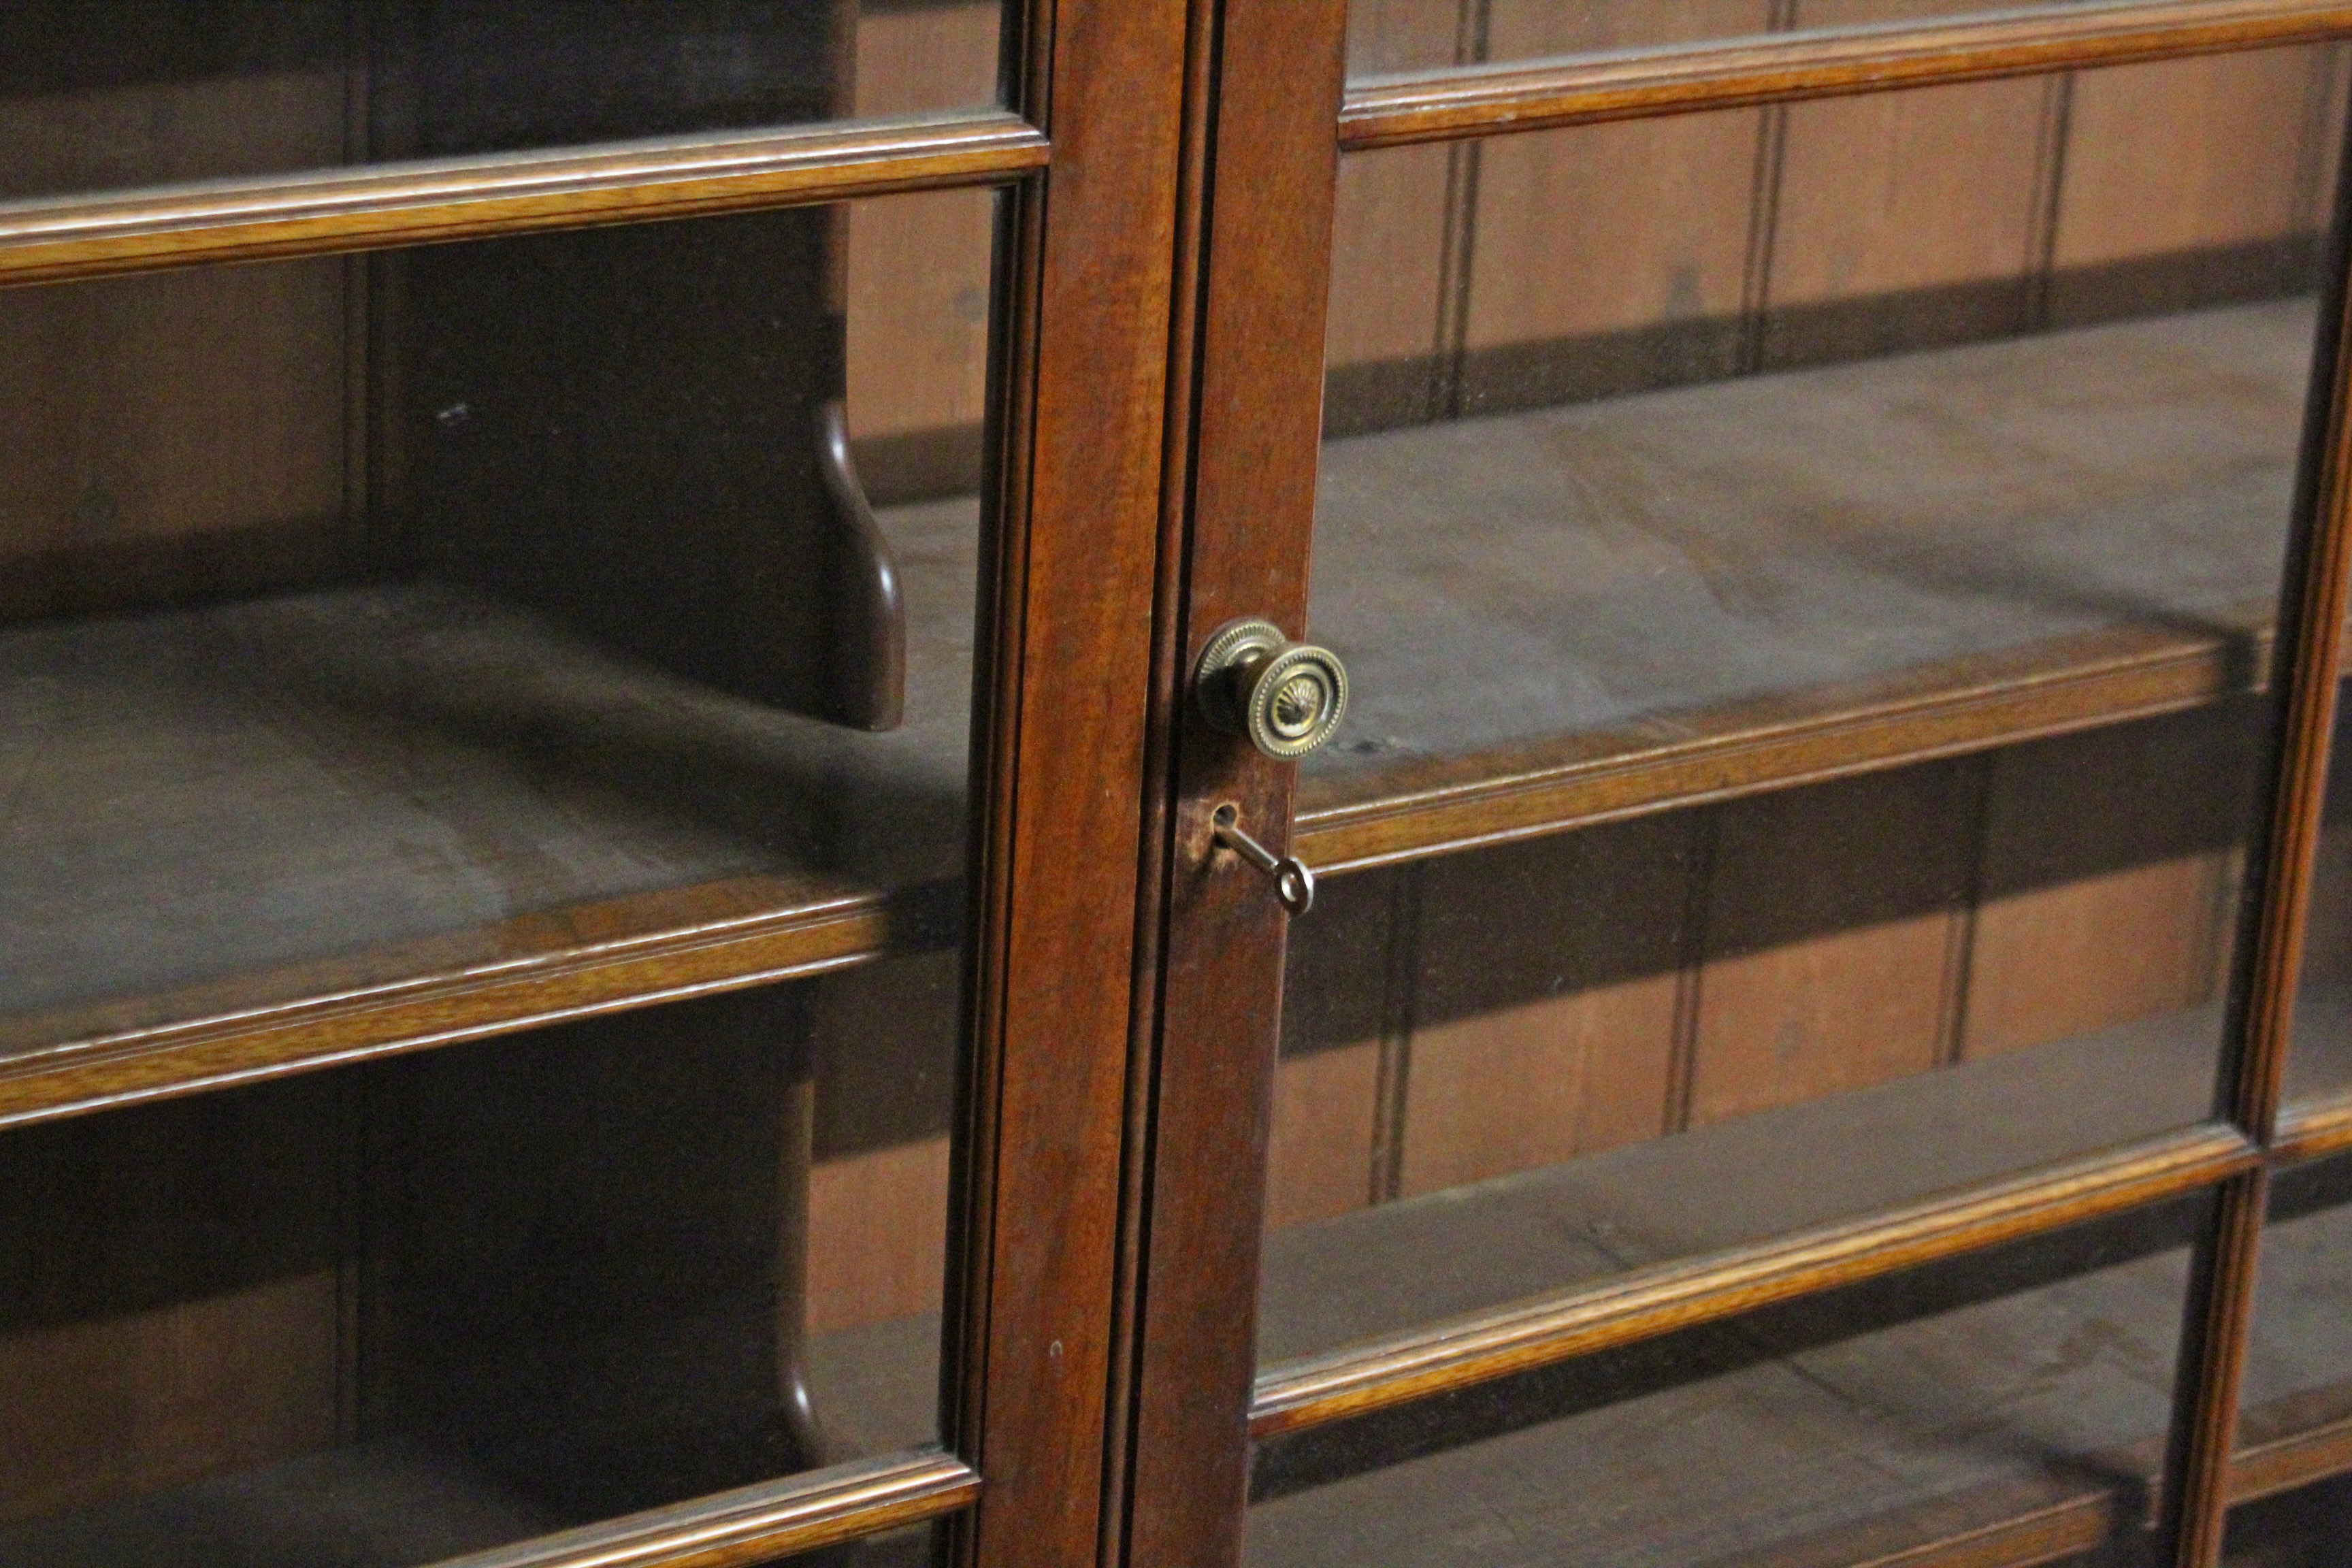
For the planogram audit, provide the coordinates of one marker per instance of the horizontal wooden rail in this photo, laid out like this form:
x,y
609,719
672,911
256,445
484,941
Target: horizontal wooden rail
x,y
327,211
1651,1301
1532,95
2310,1127
757,1523
570,963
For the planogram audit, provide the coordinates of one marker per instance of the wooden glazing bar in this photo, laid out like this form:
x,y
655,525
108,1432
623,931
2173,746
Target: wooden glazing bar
x,y
1080,398
2293,1442
757,1523
2219,1323
697,940
1484,101
1994,699
1653,1301
338,210
2310,1127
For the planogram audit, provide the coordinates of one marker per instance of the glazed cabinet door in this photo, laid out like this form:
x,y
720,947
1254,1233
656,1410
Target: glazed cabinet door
x,y
1775,568
558,559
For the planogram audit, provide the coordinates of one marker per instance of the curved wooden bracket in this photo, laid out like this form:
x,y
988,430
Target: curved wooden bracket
x,y
868,619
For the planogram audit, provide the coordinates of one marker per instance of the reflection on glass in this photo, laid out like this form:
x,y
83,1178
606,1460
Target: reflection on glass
x,y
2024,1391
96,96
2295,1505
1833,550
365,622
388,1314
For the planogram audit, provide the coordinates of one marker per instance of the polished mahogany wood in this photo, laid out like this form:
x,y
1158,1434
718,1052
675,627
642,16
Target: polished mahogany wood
x,y
2310,1127
1266,105
2208,1384
1486,100
51,240
1065,658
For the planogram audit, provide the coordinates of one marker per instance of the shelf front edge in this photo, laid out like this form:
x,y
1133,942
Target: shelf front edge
x,y
218,1049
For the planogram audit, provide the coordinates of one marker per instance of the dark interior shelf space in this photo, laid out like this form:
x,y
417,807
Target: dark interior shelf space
x,y
400,1503
1581,612
347,817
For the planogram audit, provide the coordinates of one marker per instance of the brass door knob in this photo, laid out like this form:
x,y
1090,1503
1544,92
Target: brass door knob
x,y
1287,696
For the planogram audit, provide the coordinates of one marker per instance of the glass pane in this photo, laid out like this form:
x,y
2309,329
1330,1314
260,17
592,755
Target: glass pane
x,y
96,95
1806,577
2015,1401
368,623
394,648
1411,35
390,1313
2295,1437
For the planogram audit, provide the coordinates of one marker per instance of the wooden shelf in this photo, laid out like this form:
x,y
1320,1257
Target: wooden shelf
x,y
1346,1303
271,835
255,836
2014,1429
1575,613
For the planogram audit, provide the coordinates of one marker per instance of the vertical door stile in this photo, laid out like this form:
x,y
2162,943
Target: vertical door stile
x,y
1271,164
1066,632
2308,659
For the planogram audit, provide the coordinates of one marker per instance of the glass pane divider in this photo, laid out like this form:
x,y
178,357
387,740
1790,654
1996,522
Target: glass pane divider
x,y
1484,101
758,1523
336,211
2219,1326
2311,1128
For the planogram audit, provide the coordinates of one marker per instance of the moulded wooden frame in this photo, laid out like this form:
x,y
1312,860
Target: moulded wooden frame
x,y
1254,347
1153,477
1081,313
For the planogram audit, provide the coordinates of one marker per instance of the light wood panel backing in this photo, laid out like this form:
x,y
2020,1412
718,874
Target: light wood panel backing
x,y
1582,263
2229,159
1933,204
169,437
919,266
2088,916
165,437
175,1280
1832,933
1552,1032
